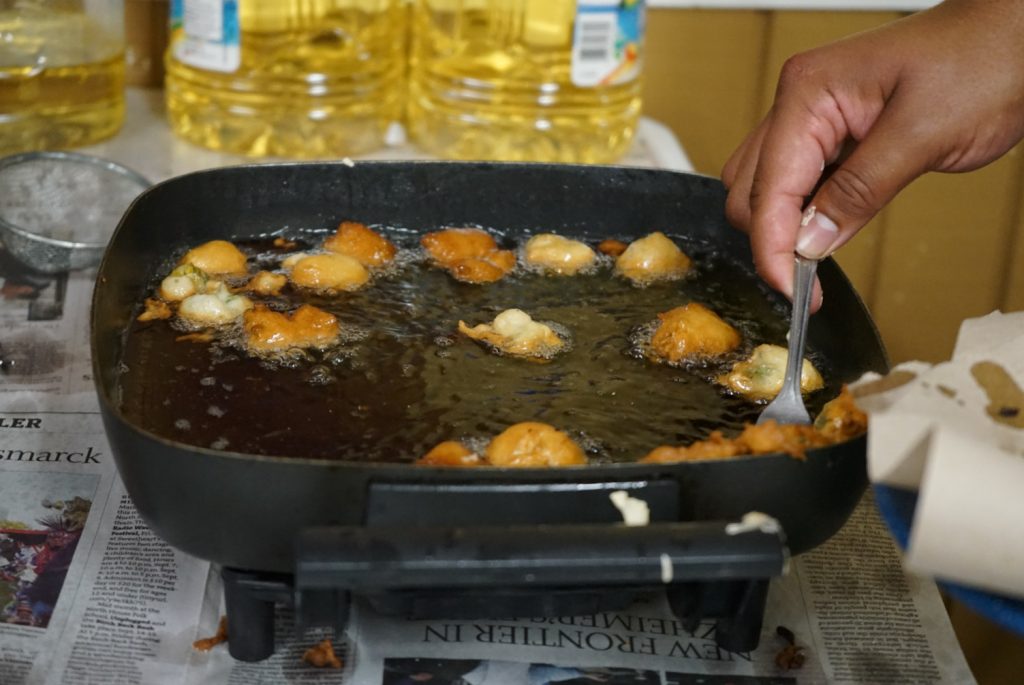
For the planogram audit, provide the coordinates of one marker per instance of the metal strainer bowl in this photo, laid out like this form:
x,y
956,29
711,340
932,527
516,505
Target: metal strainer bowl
x,y
59,209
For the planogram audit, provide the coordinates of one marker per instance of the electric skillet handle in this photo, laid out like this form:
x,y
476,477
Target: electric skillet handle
x,y
368,559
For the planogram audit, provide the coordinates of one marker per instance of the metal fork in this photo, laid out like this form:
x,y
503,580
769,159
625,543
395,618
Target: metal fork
x,y
788,405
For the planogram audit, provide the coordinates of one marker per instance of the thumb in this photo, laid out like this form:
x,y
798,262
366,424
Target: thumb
x,y
893,154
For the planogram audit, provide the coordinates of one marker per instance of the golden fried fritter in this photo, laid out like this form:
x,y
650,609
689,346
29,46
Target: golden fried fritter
x,y
652,258
692,331
789,438
611,247
558,255
327,273
215,307
267,283
840,420
515,333
355,240
532,445
184,281
486,269
217,258
468,254
717,446
760,377
450,453
155,309
268,331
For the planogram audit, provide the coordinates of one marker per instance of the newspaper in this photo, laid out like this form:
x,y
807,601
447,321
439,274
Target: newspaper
x,y
89,595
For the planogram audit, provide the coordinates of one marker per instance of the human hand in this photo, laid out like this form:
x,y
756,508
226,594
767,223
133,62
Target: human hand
x,y
940,90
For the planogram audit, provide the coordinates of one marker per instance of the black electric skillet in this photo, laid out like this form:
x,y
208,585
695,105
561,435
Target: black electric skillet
x,y
470,542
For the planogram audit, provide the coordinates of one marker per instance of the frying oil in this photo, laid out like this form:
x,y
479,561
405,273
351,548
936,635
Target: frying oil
x,y
61,80
526,80
289,78
403,379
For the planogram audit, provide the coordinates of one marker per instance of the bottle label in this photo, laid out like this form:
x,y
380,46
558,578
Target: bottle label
x,y
606,42
205,34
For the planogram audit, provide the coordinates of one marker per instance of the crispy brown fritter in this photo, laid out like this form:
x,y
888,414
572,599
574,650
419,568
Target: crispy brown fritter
x,y
533,445
217,258
611,247
515,333
692,331
839,420
355,240
328,273
450,453
468,254
268,331
652,258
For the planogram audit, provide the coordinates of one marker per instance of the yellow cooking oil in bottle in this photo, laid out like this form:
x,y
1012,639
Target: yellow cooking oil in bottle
x,y
526,80
61,73
286,78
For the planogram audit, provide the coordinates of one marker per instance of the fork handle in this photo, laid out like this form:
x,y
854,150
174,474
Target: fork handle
x,y
803,285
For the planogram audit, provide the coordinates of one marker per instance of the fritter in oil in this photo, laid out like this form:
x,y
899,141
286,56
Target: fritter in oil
x,y
558,255
267,284
691,332
326,273
216,306
468,254
268,331
652,258
760,376
514,332
217,258
355,240
839,420
523,445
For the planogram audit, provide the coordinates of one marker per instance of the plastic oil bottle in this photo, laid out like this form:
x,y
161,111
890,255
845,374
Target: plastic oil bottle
x,y
61,73
535,80
287,78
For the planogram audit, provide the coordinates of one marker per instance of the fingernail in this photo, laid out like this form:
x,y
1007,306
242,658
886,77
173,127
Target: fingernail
x,y
817,234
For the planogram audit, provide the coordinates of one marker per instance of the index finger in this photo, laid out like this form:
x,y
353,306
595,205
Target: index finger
x,y
797,144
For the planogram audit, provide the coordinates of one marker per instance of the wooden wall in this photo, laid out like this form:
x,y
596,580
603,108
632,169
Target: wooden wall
x,y
948,248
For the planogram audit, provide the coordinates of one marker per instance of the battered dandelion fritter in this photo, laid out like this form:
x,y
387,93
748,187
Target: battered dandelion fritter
x,y
652,258
326,273
268,331
690,332
611,247
468,254
523,445
515,333
366,246
450,453
267,283
760,376
217,258
558,255
216,306
839,420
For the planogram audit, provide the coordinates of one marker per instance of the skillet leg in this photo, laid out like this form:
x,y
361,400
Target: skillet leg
x,y
249,598
737,607
740,629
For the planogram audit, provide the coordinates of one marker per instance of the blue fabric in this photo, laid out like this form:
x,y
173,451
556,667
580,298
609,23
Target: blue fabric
x,y
897,509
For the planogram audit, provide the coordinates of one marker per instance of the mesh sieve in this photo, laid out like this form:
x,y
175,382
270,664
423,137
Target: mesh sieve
x,y
59,209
